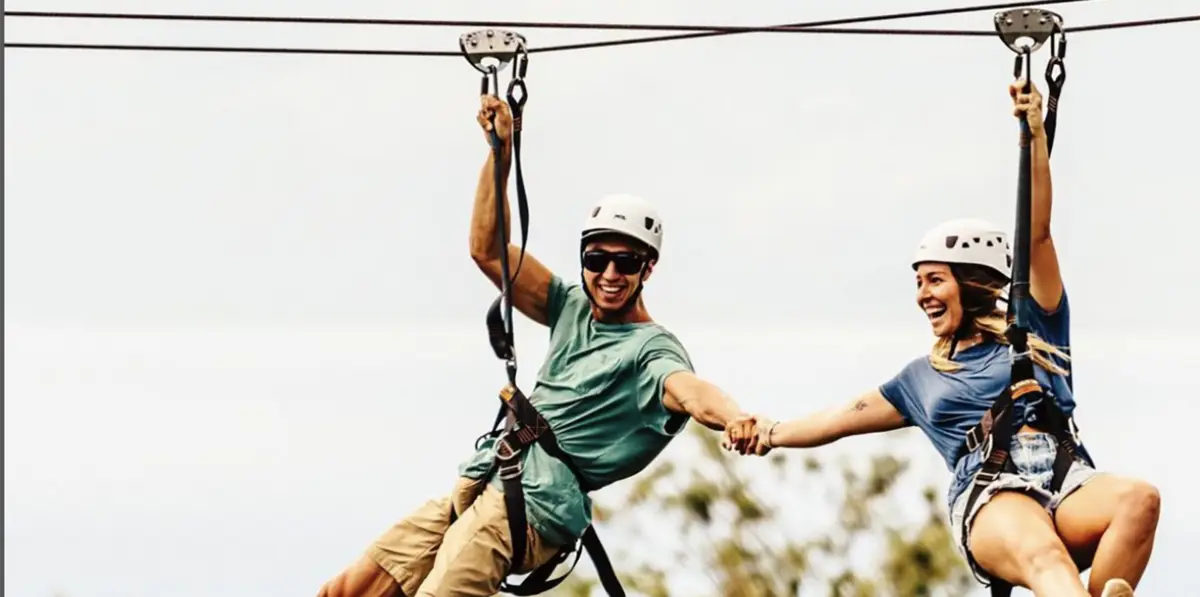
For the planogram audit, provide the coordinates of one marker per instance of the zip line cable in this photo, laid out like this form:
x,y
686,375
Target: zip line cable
x,y
707,31
806,27
809,27
796,29
232,49
718,29
1133,24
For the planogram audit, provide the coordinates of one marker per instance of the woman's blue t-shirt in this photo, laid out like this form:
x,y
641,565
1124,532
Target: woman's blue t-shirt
x,y
946,405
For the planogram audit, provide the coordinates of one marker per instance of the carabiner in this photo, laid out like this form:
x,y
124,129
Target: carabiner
x,y
490,83
1055,82
1058,51
1024,59
517,92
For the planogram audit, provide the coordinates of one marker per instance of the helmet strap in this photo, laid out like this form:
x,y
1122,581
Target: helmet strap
x,y
958,335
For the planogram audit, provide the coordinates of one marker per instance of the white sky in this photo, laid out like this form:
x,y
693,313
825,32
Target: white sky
x,y
243,335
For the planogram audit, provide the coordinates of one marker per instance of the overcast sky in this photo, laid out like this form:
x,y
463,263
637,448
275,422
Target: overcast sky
x,y
243,334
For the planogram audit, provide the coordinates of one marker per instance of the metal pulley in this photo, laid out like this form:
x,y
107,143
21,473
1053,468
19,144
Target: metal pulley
x,y
1033,24
491,51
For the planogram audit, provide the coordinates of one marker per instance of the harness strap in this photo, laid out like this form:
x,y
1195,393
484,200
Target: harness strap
x,y
538,581
604,568
533,427
509,466
1054,84
525,427
994,434
517,95
499,324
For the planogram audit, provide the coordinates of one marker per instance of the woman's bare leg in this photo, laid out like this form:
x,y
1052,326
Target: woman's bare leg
x,y
1013,538
1110,521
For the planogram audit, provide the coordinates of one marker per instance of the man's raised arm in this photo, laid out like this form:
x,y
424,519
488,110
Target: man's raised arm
x,y
532,286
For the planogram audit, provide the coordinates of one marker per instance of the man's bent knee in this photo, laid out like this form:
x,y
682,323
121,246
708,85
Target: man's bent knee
x,y
407,550
365,578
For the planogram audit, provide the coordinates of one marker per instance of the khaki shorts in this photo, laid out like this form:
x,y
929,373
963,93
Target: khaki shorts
x,y
429,557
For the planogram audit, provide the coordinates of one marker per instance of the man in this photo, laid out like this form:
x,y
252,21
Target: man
x,y
616,387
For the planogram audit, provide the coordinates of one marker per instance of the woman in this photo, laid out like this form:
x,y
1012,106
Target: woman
x,y
1019,529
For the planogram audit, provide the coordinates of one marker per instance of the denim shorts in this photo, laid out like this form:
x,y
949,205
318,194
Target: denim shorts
x,y
1032,455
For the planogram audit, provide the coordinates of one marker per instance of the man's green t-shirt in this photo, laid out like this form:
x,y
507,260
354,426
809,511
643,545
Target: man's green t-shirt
x,y
601,390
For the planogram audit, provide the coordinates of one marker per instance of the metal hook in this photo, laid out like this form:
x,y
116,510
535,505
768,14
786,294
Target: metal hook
x,y
1059,50
517,92
1023,62
521,62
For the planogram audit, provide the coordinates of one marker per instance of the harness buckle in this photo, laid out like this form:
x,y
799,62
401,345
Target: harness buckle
x,y
508,472
985,477
970,441
508,458
982,429
503,451
1073,429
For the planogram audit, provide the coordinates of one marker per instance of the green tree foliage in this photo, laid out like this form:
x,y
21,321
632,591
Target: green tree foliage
x,y
783,525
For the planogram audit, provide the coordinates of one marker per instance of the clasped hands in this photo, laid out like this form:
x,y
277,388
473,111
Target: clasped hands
x,y
748,434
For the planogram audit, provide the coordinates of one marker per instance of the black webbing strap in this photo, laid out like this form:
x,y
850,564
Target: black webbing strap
x,y
538,581
1054,84
994,434
1054,420
509,450
532,426
517,95
499,323
604,568
525,427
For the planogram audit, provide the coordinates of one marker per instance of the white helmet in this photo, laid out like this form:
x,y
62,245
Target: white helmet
x,y
628,215
967,241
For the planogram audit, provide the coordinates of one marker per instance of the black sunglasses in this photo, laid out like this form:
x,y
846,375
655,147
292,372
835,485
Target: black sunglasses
x,y
627,263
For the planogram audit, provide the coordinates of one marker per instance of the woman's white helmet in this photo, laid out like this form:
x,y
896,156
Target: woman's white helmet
x,y
969,241
628,215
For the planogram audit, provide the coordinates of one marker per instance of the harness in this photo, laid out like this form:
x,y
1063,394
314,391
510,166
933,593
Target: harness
x,y
993,433
524,426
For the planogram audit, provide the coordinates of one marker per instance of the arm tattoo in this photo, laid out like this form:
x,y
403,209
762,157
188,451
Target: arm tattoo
x,y
860,405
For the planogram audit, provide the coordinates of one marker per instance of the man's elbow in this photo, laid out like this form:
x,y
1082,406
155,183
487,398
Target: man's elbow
x,y
485,260
707,416
704,403
481,253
